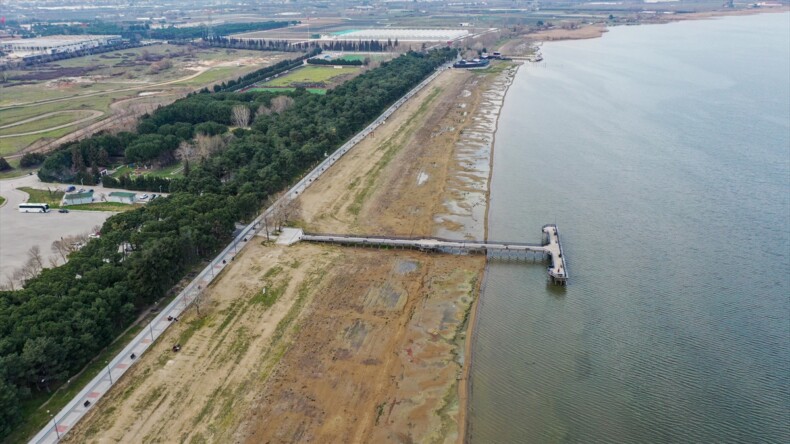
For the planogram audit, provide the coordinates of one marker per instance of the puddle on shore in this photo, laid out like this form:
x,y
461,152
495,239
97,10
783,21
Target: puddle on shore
x,y
406,267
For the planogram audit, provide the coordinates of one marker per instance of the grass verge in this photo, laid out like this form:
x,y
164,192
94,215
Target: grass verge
x,y
104,206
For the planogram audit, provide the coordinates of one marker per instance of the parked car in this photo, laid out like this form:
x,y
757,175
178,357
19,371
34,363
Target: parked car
x,y
154,196
144,197
70,189
82,190
63,210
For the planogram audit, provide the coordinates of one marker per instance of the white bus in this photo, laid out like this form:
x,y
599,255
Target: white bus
x,y
33,208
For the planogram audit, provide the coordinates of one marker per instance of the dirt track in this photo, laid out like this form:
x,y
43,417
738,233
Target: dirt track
x,y
346,345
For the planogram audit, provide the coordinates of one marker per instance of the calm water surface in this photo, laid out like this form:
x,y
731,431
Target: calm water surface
x,y
663,154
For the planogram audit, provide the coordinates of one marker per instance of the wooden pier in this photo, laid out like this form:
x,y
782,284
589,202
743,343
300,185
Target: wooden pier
x,y
551,247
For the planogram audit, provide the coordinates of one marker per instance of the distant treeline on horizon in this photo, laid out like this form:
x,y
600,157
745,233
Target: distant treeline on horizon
x,y
138,31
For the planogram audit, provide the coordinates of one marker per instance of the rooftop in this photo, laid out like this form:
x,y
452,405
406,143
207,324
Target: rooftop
x,y
56,40
78,195
122,194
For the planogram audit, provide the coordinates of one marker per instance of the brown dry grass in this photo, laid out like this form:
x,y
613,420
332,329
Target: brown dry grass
x,y
360,345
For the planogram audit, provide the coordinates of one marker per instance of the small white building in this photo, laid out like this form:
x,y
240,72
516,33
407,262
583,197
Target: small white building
x,y
78,198
122,197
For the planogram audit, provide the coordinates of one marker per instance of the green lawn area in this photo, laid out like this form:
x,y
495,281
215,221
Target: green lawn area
x,y
214,75
319,91
52,198
362,57
170,172
312,74
2,201
352,57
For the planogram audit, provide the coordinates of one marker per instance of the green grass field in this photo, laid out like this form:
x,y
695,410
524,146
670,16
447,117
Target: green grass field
x,y
63,118
52,197
121,75
312,74
319,91
170,172
362,57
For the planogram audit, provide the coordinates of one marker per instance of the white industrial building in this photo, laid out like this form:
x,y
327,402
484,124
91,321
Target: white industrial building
x,y
56,44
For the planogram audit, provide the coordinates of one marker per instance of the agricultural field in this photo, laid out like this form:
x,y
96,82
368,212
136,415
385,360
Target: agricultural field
x,y
41,105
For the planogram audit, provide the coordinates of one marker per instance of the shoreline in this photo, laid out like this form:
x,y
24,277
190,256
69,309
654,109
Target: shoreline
x,y
465,384
597,30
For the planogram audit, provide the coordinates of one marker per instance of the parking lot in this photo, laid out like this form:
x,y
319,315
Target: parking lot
x,y
21,231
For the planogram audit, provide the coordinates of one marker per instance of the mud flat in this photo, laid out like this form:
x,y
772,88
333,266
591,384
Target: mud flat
x,y
314,343
467,187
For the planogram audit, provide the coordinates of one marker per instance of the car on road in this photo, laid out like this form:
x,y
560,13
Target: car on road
x,y
70,189
144,197
82,190
63,210
154,196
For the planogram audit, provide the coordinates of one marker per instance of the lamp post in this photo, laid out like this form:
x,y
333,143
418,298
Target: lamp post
x,y
109,372
55,422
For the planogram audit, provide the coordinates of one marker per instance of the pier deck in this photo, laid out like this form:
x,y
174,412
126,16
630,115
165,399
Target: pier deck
x,y
558,271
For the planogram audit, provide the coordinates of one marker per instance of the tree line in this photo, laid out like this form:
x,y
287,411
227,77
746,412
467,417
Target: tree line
x,y
64,316
334,62
139,31
219,41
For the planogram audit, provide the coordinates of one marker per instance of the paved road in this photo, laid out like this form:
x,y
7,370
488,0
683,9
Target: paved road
x,y
76,409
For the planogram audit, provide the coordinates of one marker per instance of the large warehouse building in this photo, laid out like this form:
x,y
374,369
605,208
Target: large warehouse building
x,y
56,44
403,35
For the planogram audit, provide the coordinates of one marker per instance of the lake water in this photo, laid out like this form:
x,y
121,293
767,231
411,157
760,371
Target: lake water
x,y
663,154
